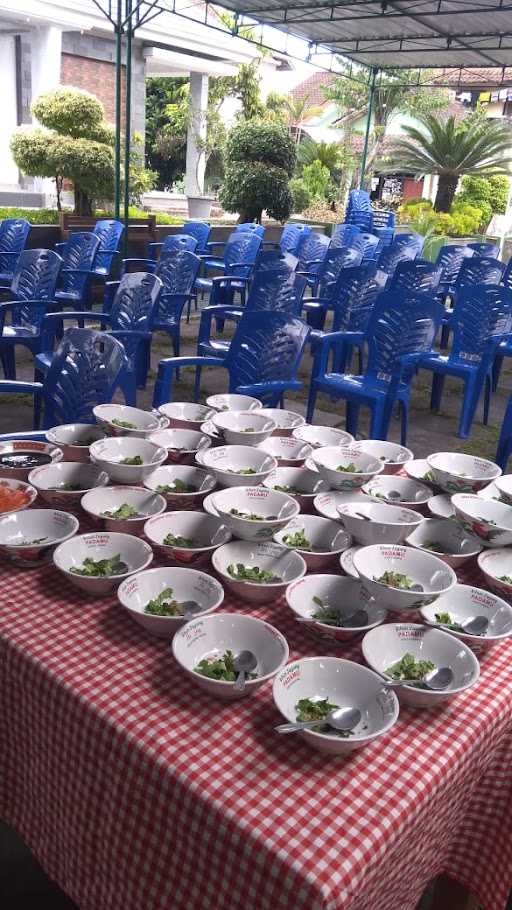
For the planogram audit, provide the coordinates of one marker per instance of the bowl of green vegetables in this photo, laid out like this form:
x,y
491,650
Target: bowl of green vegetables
x,y
257,572
445,539
345,469
186,538
96,563
255,513
122,509
183,486
122,420
318,540
402,578
496,567
206,649
337,607
466,608
159,599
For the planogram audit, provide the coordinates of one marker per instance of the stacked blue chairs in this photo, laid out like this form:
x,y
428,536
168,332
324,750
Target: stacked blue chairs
x,y
201,231
312,254
416,275
474,271
344,234
506,278
263,359
359,210
410,239
129,317
383,226
490,250
391,256
481,316
110,232
13,238
33,292
240,254
449,261
400,329
172,243
178,273
79,254
504,449
85,371
249,227
370,244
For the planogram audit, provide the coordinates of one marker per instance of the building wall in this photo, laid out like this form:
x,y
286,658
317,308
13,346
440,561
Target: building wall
x,y
8,169
96,76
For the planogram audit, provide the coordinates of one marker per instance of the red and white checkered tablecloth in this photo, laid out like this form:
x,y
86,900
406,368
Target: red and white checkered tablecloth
x,y
138,792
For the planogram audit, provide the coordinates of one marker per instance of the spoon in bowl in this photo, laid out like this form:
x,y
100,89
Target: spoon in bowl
x,y
243,663
476,625
191,608
342,719
356,619
437,679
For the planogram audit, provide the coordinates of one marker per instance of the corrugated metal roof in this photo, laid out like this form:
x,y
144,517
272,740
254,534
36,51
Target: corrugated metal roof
x,y
391,33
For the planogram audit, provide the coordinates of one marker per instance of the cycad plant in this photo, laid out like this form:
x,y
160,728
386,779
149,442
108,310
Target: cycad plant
x,y
450,149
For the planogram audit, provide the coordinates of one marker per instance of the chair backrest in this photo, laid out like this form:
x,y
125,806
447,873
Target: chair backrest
x,y
393,254
382,219
13,237
415,275
110,232
276,286
354,299
370,242
179,242
177,271
506,278
491,250
84,372
400,324
449,260
293,237
200,230
479,270
342,257
344,234
134,302
36,274
266,347
242,247
250,227
79,252
482,313
315,246
410,239
359,200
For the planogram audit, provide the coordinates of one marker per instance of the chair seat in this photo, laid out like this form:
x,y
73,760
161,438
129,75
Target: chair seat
x,y
203,284
42,361
214,349
362,387
214,264
12,332
6,277
68,295
451,366
166,325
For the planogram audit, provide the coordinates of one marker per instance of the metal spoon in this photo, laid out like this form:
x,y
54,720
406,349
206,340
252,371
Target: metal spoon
x,y
438,679
344,719
477,625
243,663
355,619
191,608
393,494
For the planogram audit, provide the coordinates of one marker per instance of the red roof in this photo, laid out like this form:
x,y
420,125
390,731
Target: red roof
x,y
311,88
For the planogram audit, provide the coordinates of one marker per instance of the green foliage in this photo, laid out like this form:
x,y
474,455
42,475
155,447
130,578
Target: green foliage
x,y
327,153
51,216
73,112
463,221
166,128
490,194
260,160
301,195
316,178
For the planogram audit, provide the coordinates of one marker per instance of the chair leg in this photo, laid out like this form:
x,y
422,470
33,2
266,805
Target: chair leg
x,y
313,392
197,384
352,417
437,391
496,371
487,397
445,336
472,390
405,423
8,361
128,387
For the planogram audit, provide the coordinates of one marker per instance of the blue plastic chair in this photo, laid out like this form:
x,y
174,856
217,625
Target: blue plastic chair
x,y
78,259
391,256
173,243
292,238
506,278
13,238
85,371
263,359
416,275
370,245
400,329
383,226
474,271
337,259
178,272
312,254
505,441
481,316
201,231
249,227
110,232
240,254
449,260
343,234
128,316
33,292
410,239
490,250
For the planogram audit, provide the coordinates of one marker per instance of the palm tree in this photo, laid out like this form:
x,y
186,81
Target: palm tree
x,y
450,149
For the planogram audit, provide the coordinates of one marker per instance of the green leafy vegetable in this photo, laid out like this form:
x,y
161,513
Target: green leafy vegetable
x,y
285,488
137,459
252,573
125,424
67,486
298,540
251,516
84,442
176,540
444,619
221,668
28,543
177,486
348,469
435,546
326,614
164,605
506,578
307,709
101,568
122,513
242,471
394,580
410,668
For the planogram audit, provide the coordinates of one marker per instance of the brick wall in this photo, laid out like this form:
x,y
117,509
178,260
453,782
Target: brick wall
x,y
95,76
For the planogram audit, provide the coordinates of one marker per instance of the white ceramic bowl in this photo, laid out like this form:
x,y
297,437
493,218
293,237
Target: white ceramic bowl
x,y
74,439
458,473
168,481
209,429
287,451
489,521
346,594
142,423
229,402
97,502
446,540
211,636
330,458
285,564
504,487
392,455
345,684
418,469
19,457
205,531
326,504
24,490
299,483
28,538
375,522
387,644
275,509
491,492
135,592
285,421
347,562
320,437
185,414
422,568
182,446
63,484
243,428
441,506
496,566
398,491
226,463
327,540
135,553
464,603
109,455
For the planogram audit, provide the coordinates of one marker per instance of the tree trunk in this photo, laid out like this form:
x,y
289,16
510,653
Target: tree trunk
x,y
445,192
83,202
58,187
248,216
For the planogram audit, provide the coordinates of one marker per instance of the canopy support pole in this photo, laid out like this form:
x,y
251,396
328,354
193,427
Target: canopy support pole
x,y
127,125
371,97
117,142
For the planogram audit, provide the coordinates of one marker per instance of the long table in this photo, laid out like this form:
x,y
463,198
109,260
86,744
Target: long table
x,y
136,790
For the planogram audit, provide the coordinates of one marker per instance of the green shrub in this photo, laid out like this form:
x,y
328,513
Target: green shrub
x,y
317,178
301,195
51,216
489,194
462,221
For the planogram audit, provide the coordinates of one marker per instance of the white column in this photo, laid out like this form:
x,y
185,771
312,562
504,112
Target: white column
x,y
196,134
8,169
45,68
